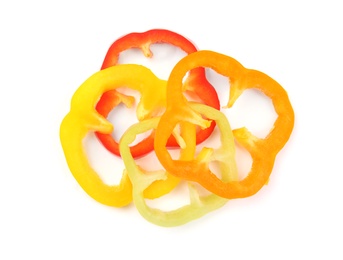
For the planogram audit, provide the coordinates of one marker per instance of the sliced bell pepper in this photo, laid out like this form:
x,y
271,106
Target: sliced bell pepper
x,y
83,118
262,150
196,83
142,180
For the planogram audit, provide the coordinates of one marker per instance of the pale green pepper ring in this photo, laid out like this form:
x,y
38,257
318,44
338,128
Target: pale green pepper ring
x,y
199,205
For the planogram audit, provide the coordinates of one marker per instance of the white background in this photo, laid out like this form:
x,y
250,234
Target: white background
x,y
48,48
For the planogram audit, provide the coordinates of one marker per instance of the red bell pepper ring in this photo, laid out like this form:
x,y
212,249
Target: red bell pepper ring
x,y
196,83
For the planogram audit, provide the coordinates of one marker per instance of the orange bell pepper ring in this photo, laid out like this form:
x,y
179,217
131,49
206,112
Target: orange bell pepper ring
x,y
196,83
262,150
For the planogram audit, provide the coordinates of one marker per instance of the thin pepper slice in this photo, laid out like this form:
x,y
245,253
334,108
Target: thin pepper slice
x,y
83,118
195,83
199,205
262,150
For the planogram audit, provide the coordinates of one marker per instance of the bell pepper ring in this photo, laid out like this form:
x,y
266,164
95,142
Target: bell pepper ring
x,y
262,150
83,118
196,83
199,205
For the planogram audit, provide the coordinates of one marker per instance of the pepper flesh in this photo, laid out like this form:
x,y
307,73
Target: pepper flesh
x,y
262,150
199,205
83,118
195,83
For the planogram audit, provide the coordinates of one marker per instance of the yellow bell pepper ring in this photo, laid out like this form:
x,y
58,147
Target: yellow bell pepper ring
x,y
83,118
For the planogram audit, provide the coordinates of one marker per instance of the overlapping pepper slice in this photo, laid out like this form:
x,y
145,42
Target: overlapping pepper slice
x,y
199,205
196,83
177,127
83,118
262,150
